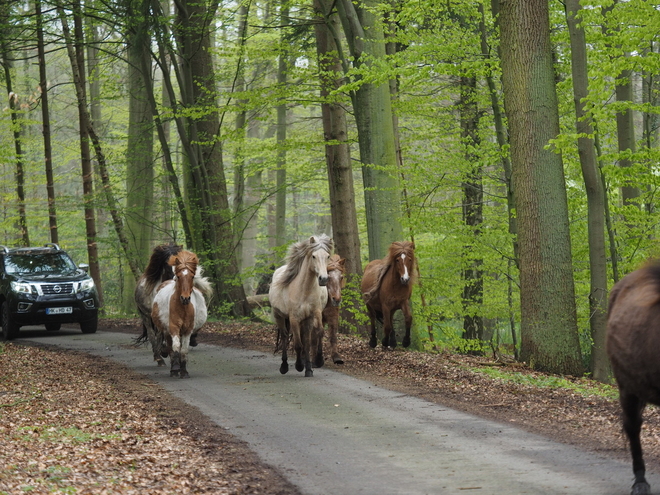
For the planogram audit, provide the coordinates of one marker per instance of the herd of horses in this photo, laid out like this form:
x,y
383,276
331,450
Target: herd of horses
x,y
305,294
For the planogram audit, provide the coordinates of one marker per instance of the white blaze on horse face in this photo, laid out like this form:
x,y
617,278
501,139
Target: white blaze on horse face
x,y
405,278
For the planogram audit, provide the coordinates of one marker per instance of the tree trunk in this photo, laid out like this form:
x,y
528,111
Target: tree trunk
x,y
600,367
280,175
473,282
139,148
204,152
45,124
373,115
77,58
547,294
16,124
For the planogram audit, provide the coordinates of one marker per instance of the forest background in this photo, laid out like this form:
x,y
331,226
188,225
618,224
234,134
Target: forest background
x,y
515,141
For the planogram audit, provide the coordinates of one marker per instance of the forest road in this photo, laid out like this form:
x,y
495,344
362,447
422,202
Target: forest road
x,y
334,434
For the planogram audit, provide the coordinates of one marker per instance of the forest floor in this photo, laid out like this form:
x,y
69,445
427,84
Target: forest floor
x,y
92,426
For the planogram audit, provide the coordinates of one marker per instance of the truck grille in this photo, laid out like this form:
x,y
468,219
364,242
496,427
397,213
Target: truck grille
x,y
55,289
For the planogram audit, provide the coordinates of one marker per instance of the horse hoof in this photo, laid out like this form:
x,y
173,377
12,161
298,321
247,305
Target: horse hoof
x,y
174,372
184,374
406,342
373,341
319,362
160,362
641,488
284,368
299,366
337,359
193,340
309,373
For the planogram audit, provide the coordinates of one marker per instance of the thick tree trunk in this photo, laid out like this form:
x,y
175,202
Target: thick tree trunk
x,y
600,367
373,115
547,294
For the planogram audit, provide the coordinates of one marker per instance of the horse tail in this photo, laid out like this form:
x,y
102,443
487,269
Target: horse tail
x,y
143,338
371,292
203,284
158,269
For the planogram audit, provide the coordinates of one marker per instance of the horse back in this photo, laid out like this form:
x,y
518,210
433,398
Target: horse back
x,y
633,332
371,278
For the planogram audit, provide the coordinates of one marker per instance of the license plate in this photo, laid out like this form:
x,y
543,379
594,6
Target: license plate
x,y
59,311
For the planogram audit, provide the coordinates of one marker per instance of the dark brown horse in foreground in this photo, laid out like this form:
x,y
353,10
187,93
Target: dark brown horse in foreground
x,y
633,345
336,283
158,271
386,287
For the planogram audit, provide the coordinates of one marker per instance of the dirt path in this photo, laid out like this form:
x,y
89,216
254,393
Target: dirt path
x,y
338,434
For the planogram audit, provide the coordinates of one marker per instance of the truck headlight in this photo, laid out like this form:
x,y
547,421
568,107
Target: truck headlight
x,y
21,287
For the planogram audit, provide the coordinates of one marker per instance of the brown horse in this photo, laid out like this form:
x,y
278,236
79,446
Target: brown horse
x,y
158,271
336,283
297,297
179,309
386,287
633,343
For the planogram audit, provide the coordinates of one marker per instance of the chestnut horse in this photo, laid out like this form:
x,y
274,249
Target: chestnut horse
x,y
297,297
336,283
157,272
633,342
387,286
179,309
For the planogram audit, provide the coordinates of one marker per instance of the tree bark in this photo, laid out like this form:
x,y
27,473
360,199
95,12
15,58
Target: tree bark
x,y
45,125
600,367
549,321
373,115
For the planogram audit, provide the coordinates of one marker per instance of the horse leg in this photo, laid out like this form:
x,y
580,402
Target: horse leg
x,y
185,347
373,341
632,408
309,326
317,343
283,337
175,360
156,342
389,336
333,324
297,343
407,314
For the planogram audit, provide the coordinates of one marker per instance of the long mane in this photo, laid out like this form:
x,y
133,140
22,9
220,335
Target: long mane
x,y
334,263
299,251
158,270
190,261
396,248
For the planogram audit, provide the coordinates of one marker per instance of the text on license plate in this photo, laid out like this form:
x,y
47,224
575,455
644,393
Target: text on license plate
x,y
59,311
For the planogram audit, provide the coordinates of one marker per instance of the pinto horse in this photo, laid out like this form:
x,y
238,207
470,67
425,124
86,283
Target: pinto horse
x,y
297,297
633,343
387,286
158,271
330,314
179,309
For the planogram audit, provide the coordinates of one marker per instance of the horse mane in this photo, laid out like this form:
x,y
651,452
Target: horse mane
x,y
299,251
158,270
335,263
396,248
190,261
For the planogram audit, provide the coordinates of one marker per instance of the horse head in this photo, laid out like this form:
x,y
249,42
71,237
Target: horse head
x,y
403,255
184,264
319,255
336,281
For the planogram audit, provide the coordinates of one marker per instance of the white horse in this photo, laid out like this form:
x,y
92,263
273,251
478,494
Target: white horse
x,y
297,297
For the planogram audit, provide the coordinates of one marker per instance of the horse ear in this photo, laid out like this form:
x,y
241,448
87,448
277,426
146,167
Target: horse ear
x,y
312,240
342,261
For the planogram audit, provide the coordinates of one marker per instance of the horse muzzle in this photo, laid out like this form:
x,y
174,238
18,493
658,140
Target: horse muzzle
x,y
405,280
185,300
323,281
335,302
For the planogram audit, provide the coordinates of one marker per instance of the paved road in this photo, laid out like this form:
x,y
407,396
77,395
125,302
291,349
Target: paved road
x,y
334,434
